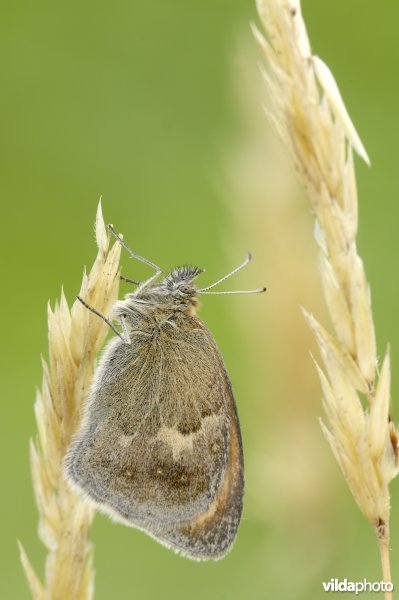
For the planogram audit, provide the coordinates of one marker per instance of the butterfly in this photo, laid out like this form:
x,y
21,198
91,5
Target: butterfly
x,y
159,446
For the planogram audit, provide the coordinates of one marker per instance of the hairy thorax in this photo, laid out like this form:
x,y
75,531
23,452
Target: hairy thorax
x,y
152,315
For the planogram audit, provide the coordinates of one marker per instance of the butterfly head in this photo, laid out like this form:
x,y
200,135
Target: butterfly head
x,y
179,282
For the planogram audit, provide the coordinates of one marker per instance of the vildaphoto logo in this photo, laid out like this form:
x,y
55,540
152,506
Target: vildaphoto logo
x,y
357,587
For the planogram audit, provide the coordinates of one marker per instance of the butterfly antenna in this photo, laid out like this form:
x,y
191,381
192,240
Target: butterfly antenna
x,y
257,291
244,264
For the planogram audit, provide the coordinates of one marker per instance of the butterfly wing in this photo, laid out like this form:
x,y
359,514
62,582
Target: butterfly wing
x,y
160,446
211,533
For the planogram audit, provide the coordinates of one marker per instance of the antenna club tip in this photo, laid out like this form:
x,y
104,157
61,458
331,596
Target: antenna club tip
x,y
249,255
264,289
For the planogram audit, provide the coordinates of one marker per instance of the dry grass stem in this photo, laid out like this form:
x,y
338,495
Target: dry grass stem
x,y
308,113
75,337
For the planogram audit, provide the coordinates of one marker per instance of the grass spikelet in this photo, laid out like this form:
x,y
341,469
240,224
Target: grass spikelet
x,y
308,112
75,337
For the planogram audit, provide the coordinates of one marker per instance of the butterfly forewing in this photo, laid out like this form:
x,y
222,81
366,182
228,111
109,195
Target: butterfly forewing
x,y
161,437
212,533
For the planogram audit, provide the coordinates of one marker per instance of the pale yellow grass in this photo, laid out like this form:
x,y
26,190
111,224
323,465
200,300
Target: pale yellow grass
x,y
75,337
307,110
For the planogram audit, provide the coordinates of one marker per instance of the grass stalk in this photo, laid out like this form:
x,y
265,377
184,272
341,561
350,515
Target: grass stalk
x,y
75,337
383,543
307,110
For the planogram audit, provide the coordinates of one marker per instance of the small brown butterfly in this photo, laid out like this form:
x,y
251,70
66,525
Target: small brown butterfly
x,y
159,447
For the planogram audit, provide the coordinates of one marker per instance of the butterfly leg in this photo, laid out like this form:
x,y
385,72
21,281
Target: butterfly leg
x,y
125,331
129,280
125,340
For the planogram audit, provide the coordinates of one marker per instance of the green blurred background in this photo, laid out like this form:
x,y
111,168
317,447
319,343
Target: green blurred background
x,y
141,103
